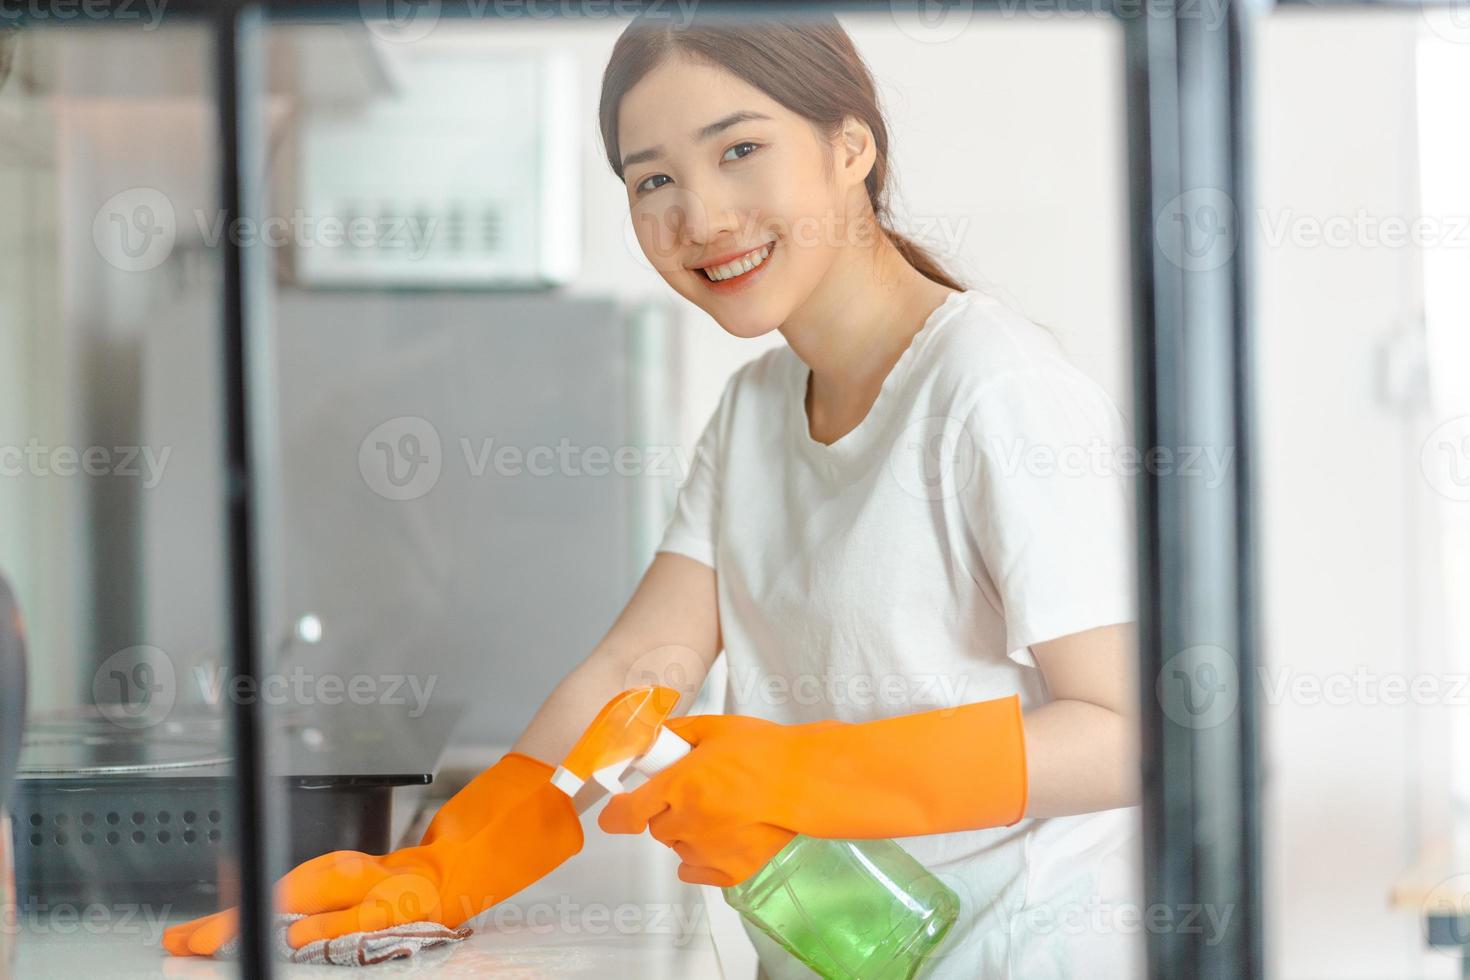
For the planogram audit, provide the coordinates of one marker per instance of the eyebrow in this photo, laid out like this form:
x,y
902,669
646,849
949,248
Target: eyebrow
x,y
699,135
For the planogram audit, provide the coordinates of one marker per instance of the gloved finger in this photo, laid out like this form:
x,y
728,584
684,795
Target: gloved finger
x,y
696,875
176,938
725,865
399,899
329,882
697,829
213,933
629,813
737,851
667,828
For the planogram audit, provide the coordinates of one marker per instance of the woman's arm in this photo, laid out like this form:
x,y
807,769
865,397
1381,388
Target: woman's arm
x,y
1082,747
668,633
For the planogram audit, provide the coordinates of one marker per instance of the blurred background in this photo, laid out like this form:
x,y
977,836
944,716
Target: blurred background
x,y
476,417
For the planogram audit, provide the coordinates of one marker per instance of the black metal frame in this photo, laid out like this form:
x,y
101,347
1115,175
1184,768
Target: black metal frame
x,y
1186,130
237,76
1187,134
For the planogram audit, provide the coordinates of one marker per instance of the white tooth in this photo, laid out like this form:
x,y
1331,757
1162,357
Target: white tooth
x,y
739,266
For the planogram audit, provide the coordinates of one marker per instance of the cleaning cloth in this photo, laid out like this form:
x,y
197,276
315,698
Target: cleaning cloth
x,y
354,948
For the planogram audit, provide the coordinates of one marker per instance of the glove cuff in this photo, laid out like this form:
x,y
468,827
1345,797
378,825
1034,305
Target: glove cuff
x,y
523,770
932,772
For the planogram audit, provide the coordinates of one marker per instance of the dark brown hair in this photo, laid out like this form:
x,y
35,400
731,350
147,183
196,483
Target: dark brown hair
x,y
806,63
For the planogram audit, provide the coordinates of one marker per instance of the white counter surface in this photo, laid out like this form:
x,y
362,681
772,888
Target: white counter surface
x,y
617,909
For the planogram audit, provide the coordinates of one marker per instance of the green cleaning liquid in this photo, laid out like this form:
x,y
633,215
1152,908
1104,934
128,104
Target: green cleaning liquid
x,y
849,909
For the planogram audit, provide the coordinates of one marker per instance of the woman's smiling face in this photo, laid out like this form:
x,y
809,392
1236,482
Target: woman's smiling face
x,y
716,170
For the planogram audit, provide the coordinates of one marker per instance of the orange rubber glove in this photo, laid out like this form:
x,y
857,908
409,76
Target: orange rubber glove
x,y
446,881
486,796
749,785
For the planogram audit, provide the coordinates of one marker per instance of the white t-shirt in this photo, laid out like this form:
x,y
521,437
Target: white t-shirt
x,y
980,507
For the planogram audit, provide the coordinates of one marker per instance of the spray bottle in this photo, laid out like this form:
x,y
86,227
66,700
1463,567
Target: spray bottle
x,y
848,909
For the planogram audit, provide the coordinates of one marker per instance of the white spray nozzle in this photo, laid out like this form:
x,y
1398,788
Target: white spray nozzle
x,y
667,749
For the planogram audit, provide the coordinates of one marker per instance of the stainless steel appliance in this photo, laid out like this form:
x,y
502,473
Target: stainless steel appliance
x,y
107,814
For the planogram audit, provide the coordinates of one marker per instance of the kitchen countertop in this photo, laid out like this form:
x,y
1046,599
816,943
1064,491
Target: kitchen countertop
x,y
615,909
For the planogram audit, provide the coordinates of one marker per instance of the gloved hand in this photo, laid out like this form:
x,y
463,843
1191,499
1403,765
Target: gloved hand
x,y
486,796
749,785
447,880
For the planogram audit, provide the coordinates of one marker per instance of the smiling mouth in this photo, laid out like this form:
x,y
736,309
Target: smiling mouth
x,y
751,260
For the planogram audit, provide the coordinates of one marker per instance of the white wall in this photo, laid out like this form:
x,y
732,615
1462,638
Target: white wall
x,y
1338,480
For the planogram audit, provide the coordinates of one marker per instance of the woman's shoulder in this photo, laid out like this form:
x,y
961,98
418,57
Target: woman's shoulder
x,y
762,378
988,347
986,338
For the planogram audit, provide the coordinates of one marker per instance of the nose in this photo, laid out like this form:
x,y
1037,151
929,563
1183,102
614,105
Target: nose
x,y
702,218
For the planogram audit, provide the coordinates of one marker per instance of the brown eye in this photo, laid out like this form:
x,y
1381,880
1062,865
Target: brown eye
x,y
642,185
753,148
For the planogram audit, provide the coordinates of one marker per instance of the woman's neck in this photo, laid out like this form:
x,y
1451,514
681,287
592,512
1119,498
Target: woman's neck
x,y
854,328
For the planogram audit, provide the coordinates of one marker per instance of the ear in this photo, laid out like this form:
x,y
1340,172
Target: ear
x,y
857,151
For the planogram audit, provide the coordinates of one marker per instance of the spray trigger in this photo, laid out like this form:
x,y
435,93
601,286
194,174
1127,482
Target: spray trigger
x,y
626,728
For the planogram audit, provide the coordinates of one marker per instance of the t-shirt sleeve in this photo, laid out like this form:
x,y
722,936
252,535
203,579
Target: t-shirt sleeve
x,y
694,524
1051,505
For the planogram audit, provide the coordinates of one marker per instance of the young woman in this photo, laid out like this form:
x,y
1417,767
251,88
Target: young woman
x,y
872,502
922,598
